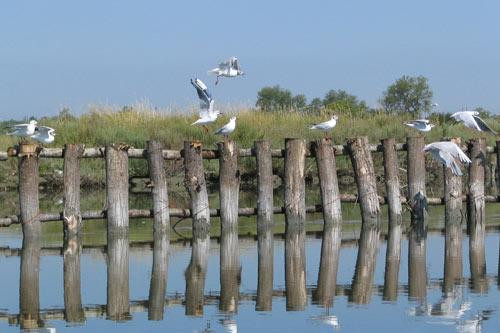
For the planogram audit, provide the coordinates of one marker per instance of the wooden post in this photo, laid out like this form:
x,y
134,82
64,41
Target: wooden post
x,y
200,213
332,227
71,214
28,190
452,197
158,283
498,169
117,189
159,185
417,197
265,225
29,284
393,253
295,214
118,306
365,179
73,309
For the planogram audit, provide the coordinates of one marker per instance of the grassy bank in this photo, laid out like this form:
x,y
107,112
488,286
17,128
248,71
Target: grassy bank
x,y
136,125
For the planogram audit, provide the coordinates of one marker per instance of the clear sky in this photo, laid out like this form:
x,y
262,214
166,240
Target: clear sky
x,y
67,53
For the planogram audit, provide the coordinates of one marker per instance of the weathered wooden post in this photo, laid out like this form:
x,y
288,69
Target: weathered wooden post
x,y
200,214
28,190
158,284
73,309
118,306
29,284
332,216
265,247
393,253
117,189
476,214
71,196
417,198
158,180
295,215
364,172
229,183
498,168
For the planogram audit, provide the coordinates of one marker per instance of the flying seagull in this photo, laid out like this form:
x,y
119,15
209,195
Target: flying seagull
x,y
447,153
327,125
44,134
423,125
471,119
229,68
228,128
24,130
207,113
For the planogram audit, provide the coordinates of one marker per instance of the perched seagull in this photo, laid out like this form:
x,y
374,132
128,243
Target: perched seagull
x,y
228,128
471,119
447,152
423,125
24,130
207,113
44,134
327,125
230,68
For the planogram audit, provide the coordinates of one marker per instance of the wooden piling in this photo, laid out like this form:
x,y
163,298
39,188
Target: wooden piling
x,y
158,284
28,190
475,198
159,186
117,189
452,197
229,183
417,197
72,249
295,214
498,169
29,283
265,239
364,172
118,300
71,193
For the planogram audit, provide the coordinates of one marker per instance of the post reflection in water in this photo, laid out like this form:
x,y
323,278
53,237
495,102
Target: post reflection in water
x,y
29,287
417,256
230,270
118,306
73,310
295,266
392,262
265,251
158,285
197,269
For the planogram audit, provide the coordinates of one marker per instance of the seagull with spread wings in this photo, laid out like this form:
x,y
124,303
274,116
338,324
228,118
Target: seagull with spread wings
x,y
24,130
471,119
447,153
207,113
44,134
229,68
422,125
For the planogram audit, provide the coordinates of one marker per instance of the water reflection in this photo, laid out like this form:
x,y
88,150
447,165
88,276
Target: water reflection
x,y
295,266
29,287
158,285
72,250
118,302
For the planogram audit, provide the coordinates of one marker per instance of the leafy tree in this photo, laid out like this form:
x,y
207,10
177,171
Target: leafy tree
x,y
408,95
316,105
275,99
344,102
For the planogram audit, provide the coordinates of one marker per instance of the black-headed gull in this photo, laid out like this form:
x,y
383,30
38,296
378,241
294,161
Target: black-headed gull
x,y
228,128
44,134
423,125
207,113
471,119
24,130
447,152
229,68
327,125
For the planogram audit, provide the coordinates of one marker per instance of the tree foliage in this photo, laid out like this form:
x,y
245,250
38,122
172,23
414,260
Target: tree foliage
x,y
408,95
277,99
344,102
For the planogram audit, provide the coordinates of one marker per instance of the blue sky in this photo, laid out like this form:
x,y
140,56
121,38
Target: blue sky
x,y
65,53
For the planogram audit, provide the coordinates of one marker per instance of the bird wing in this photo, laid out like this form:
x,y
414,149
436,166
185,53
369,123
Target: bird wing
x,y
421,121
19,126
224,65
203,94
482,125
44,129
234,63
447,159
458,153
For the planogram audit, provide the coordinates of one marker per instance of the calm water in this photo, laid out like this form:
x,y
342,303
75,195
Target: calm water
x,y
470,305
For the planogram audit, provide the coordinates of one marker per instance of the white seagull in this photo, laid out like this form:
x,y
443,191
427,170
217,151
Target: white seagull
x,y
207,113
229,68
44,134
423,125
327,125
228,128
471,119
447,152
24,130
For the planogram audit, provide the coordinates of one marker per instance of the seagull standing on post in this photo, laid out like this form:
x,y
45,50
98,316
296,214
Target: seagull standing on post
x,y
447,152
423,125
228,128
230,68
207,113
327,125
471,119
